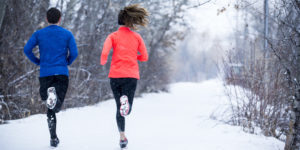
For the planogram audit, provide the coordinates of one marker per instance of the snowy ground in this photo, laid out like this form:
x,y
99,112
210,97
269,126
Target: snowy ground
x,y
179,120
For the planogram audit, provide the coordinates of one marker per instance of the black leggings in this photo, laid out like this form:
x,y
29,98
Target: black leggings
x,y
120,87
60,82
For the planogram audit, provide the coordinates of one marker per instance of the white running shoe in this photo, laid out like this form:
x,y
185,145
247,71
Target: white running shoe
x,y
124,109
51,100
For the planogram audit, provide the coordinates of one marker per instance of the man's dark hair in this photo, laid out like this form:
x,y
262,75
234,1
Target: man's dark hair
x,y
53,15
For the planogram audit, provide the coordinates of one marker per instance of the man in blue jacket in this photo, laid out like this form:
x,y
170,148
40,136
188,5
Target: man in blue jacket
x,y
57,48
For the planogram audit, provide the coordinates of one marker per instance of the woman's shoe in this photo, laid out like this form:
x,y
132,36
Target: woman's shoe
x,y
123,143
124,109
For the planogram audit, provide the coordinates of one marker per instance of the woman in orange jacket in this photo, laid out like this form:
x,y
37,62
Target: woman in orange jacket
x,y
124,69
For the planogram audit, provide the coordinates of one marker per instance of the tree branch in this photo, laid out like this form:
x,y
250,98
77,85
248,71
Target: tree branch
x,y
198,5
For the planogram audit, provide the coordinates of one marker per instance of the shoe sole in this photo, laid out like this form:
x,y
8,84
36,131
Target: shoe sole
x,y
52,98
124,109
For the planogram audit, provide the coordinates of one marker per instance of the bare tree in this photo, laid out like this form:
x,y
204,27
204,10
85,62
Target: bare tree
x,y
273,103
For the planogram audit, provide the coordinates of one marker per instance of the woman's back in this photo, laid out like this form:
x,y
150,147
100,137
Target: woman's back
x,y
126,44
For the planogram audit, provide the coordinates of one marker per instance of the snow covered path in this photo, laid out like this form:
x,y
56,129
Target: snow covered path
x,y
179,120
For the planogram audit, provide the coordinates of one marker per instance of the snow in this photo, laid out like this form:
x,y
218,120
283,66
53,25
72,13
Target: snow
x,y
181,119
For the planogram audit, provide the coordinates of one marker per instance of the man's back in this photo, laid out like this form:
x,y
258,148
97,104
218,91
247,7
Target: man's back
x,y
57,49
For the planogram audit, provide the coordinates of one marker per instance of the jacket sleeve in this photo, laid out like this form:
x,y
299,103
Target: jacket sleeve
x,y
143,50
72,49
106,49
31,43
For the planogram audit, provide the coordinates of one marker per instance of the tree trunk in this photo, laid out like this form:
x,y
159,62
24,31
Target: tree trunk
x,y
293,138
2,11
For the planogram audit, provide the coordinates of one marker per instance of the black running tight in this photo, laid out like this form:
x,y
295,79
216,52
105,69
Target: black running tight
x,y
60,82
52,123
120,87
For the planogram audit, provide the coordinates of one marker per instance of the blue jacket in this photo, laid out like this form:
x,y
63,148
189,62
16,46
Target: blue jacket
x,y
57,49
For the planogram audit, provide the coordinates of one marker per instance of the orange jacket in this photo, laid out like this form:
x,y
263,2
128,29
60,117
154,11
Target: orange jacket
x,y
126,44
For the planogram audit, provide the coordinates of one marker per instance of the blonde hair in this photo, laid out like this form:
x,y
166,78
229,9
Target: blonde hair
x,y
133,15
